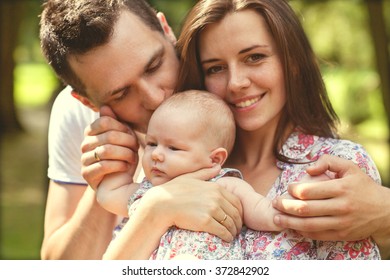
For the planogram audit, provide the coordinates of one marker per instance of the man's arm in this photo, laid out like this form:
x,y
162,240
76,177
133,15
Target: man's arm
x,y
351,207
76,227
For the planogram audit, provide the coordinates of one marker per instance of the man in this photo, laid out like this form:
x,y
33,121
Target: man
x,y
112,53
119,59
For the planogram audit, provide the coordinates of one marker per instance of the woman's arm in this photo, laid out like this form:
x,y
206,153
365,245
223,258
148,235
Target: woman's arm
x,y
351,207
186,202
258,210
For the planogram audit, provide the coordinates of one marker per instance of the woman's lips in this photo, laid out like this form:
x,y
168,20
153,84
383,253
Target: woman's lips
x,y
248,102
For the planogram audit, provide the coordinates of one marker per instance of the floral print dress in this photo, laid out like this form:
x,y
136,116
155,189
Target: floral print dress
x,y
290,245
284,245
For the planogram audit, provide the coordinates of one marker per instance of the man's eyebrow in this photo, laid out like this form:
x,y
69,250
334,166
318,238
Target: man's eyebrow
x,y
240,52
115,91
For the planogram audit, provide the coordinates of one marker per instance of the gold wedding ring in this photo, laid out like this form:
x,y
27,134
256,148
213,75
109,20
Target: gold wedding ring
x,y
224,219
96,156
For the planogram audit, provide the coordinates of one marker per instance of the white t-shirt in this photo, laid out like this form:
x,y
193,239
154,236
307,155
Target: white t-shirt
x,y
68,119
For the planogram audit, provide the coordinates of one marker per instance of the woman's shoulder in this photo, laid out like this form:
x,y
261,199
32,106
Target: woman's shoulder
x,y
349,150
307,146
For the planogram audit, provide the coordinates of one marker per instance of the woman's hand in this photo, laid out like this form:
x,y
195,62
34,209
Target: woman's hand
x,y
109,146
189,202
350,207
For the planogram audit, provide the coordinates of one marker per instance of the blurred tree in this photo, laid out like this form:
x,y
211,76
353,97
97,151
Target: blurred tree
x,y
11,14
381,43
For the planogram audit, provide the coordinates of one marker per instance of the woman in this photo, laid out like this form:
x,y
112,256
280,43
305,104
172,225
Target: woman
x,y
255,55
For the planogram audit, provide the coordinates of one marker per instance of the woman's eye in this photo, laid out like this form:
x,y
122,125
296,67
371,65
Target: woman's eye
x,y
255,57
174,148
214,70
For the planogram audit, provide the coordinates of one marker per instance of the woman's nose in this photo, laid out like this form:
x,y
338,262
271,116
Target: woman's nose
x,y
238,80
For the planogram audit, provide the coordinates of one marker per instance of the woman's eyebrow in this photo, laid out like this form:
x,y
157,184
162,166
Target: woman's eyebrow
x,y
252,48
211,60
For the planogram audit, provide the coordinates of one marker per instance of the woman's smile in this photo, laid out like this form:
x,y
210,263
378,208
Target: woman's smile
x,y
247,102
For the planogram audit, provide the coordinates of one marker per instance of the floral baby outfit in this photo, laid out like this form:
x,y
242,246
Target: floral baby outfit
x,y
201,245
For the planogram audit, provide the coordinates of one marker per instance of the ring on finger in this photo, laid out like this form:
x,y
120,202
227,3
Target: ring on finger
x,y
223,220
96,156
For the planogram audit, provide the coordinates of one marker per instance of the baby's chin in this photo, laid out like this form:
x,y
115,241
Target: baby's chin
x,y
157,180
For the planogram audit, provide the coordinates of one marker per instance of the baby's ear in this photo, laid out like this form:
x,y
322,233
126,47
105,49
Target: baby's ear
x,y
219,156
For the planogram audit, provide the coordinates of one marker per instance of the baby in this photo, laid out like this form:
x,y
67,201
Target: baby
x,y
189,131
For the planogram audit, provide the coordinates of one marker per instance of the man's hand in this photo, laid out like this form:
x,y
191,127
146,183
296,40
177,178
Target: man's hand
x,y
109,146
350,207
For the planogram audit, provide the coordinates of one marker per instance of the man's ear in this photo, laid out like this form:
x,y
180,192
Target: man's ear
x,y
167,29
219,155
85,101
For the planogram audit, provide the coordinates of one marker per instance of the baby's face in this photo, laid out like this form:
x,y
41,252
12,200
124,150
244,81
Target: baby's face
x,y
174,146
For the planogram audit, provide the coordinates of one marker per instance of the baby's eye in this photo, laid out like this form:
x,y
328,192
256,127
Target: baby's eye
x,y
174,148
151,144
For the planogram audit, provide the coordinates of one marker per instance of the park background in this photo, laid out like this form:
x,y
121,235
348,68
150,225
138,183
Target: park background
x,y
350,38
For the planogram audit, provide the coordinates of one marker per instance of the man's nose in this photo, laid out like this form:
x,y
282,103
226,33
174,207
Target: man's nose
x,y
151,96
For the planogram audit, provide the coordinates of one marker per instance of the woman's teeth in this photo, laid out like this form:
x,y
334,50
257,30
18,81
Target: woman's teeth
x,y
248,102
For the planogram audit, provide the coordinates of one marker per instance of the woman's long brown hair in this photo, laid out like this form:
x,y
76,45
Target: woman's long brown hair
x,y
307,104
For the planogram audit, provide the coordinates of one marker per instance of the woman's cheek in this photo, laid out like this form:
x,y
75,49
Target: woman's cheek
x,y
215,87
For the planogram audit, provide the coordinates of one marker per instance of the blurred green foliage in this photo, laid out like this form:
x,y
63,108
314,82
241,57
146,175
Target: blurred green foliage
x,y
340,35
174,10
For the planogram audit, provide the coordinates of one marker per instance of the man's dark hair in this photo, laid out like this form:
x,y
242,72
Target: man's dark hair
x,y
74,27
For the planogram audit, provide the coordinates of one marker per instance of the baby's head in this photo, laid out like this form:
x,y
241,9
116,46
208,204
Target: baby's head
x,y
189,131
